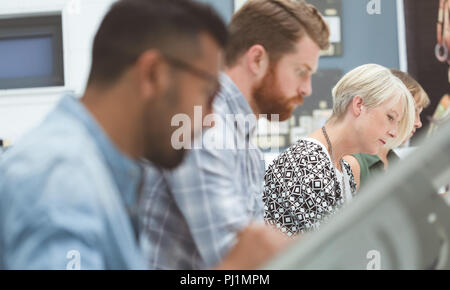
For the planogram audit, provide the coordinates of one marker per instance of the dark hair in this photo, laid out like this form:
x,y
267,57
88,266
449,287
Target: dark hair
x,y
134,26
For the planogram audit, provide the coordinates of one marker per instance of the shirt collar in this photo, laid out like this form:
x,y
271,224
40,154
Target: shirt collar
x,y
127,173
242,106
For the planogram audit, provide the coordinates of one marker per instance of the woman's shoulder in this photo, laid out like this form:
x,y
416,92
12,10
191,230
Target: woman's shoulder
x,y
303,148
307,144
305,154
348,168
352,174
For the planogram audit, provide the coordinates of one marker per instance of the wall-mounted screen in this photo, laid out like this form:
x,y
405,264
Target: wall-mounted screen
x,y
31,52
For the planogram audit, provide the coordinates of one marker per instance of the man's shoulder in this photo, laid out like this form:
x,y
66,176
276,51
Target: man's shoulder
x,y
222,103
63,139
51,153
227,98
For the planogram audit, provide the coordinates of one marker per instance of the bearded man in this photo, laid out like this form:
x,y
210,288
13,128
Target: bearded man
x,y
193,215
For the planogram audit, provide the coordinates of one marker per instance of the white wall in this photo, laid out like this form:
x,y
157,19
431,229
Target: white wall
x,y
22,109
238,4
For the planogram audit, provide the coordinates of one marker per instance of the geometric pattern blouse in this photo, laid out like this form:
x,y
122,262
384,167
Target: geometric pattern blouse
x,y
301,189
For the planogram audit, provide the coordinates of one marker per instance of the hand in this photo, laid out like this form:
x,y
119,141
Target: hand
x,y
256,244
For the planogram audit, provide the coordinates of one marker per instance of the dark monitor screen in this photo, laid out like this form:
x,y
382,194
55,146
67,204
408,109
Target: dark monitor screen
x,y
26,57
31,52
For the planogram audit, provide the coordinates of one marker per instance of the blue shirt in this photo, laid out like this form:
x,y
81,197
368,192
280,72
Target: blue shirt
x,y
191,215
64,193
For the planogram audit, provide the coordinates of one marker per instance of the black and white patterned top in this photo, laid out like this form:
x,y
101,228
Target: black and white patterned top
x,y
301,188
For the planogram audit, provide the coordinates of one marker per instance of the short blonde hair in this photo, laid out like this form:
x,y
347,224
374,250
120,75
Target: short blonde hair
x,y
375,84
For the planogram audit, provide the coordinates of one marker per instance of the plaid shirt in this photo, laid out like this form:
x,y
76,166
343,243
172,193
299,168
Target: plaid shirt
x,y
191,215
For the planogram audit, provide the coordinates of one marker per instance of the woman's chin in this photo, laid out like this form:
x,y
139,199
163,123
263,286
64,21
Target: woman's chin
x,y
374,150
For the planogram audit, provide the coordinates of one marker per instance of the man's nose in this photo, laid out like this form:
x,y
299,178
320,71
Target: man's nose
x,y
305,88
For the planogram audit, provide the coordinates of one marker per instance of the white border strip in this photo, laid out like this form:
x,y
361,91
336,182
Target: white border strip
x,y
238,4
402,52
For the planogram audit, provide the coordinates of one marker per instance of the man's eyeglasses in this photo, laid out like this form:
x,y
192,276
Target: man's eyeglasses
x,y
187,67
195,71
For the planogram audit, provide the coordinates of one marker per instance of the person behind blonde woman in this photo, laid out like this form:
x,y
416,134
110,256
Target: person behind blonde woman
x,y
310,180
365,165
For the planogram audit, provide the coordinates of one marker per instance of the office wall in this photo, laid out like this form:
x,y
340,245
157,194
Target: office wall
x,y
366,38
225,8
22,109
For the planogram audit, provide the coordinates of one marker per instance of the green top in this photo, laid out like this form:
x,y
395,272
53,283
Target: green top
x,y
371,164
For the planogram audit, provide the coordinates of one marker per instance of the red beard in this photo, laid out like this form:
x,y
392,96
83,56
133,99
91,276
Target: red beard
x,y
270,99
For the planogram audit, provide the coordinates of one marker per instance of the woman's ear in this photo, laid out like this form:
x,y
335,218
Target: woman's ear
x,y
357,106
257,60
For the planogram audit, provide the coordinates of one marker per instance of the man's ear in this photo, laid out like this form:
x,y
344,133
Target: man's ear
x,y
258,60
357,106
152,73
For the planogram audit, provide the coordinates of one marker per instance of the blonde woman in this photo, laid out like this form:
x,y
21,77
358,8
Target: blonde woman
x,y
365,165
372,108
